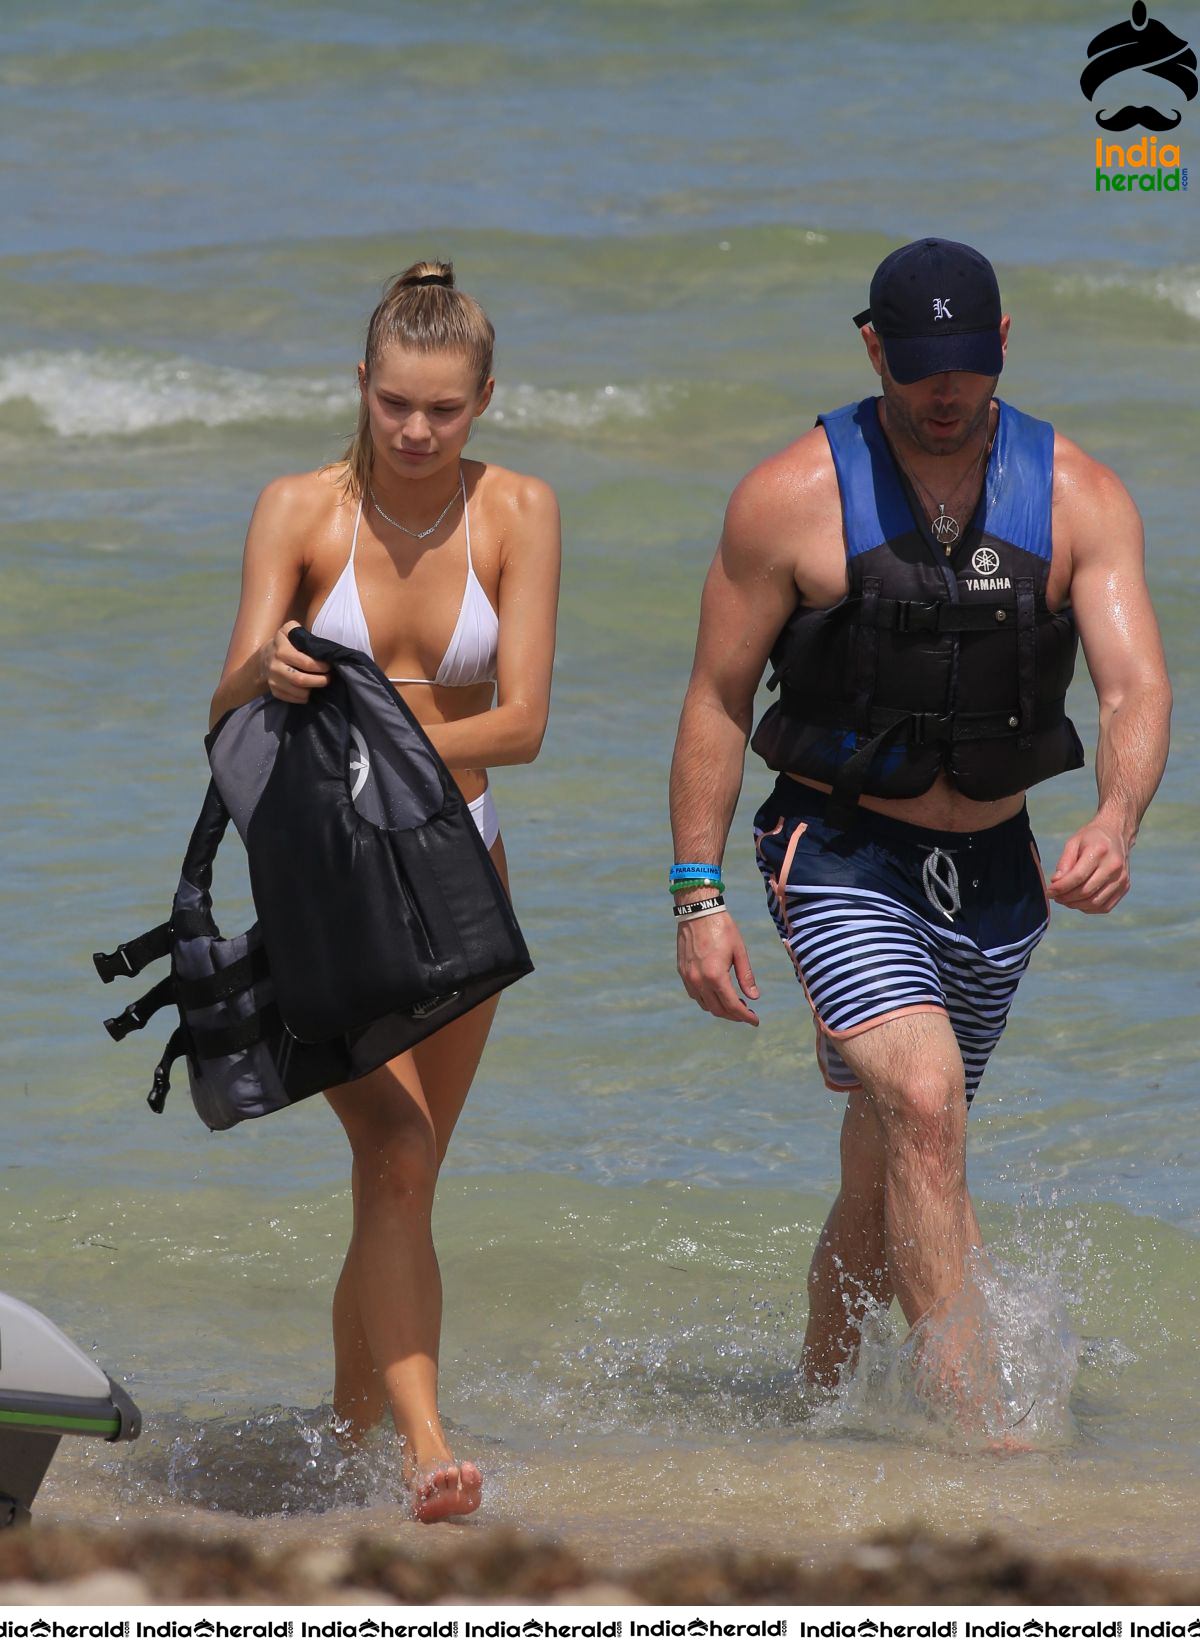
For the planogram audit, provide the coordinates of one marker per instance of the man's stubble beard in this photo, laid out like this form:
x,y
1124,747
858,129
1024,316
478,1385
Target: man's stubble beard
x,y
900,422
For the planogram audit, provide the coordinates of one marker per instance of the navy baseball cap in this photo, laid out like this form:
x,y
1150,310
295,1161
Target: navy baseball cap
x,y
936,308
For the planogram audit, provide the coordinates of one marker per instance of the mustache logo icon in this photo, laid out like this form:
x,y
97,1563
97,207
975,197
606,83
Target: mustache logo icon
x,y
1143,43
1134,115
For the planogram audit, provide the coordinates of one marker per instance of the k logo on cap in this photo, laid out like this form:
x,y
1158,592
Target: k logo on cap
x,y
935,306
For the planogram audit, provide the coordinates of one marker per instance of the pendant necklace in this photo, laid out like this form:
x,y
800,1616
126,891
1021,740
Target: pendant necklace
x,y
945,527
427,531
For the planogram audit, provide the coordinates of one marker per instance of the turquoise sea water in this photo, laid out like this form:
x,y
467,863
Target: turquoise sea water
x,y
670,210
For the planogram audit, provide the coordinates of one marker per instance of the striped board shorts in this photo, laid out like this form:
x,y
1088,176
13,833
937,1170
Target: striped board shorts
x,y
889,919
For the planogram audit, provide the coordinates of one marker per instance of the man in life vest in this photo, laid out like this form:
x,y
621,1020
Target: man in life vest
x,y
919,568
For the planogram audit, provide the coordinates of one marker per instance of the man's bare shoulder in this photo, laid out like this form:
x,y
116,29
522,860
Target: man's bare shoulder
x,y
783,498
1081,480
1091,502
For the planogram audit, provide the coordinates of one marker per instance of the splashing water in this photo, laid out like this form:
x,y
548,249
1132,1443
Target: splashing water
x,y
992,1369
280,1461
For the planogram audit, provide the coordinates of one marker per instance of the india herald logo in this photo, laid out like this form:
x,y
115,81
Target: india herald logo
x,y
985,561
1144,44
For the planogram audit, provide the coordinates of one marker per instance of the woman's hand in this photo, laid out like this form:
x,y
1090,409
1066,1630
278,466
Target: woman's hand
x,y
287,673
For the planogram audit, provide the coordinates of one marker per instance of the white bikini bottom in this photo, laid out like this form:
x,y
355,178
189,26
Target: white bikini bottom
x,y
487,821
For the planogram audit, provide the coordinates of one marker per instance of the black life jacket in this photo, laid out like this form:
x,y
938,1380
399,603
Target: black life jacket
x,y
930,661
380,914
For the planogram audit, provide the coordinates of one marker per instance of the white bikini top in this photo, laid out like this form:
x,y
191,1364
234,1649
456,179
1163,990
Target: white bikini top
x,y
470,657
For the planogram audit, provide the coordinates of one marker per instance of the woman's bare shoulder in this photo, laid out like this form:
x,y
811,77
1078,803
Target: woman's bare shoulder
x,y
501,489
306,500
300,518
523,513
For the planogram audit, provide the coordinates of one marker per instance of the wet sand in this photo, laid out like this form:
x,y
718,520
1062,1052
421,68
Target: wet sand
x,y
156,1562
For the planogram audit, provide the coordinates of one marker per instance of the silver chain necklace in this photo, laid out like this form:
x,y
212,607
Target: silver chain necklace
x,y
427,531
944,527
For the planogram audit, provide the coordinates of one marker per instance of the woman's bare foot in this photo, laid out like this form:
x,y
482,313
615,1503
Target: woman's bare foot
x,y
449,1489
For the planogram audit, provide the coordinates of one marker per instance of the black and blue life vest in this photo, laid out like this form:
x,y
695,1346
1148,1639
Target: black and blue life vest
x,y
381,917
931,662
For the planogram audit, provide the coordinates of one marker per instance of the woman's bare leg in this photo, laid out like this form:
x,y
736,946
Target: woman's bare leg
x,y
359,1395
388,1301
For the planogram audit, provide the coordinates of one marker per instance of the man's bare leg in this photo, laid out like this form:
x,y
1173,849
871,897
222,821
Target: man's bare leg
x,y
912,1076
849,1269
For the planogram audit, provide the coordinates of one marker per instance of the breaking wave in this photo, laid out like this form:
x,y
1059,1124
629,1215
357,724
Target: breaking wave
x,y
1178,289
103,394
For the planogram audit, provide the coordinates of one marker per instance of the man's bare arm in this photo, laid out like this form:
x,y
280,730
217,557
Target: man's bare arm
x,y
1124,653
714,728
748,595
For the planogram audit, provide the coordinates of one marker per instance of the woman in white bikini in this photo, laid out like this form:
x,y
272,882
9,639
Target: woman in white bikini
x,y
445,570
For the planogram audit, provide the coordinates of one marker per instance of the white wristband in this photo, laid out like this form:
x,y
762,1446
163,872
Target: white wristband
x,y
704,910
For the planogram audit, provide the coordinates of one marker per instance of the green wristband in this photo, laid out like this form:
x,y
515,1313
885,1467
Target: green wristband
x,y
686,887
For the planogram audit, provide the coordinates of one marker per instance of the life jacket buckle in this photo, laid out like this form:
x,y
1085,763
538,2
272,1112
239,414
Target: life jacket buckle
x,y
120,1025
931,727
113,963
917,615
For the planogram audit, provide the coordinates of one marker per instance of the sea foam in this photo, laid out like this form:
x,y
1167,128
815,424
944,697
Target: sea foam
x,y
1178,288
77,393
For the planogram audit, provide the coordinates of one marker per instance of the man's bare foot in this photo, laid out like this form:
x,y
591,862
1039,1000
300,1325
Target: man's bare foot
x,y
1010,1446
1012,1441
449,1490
